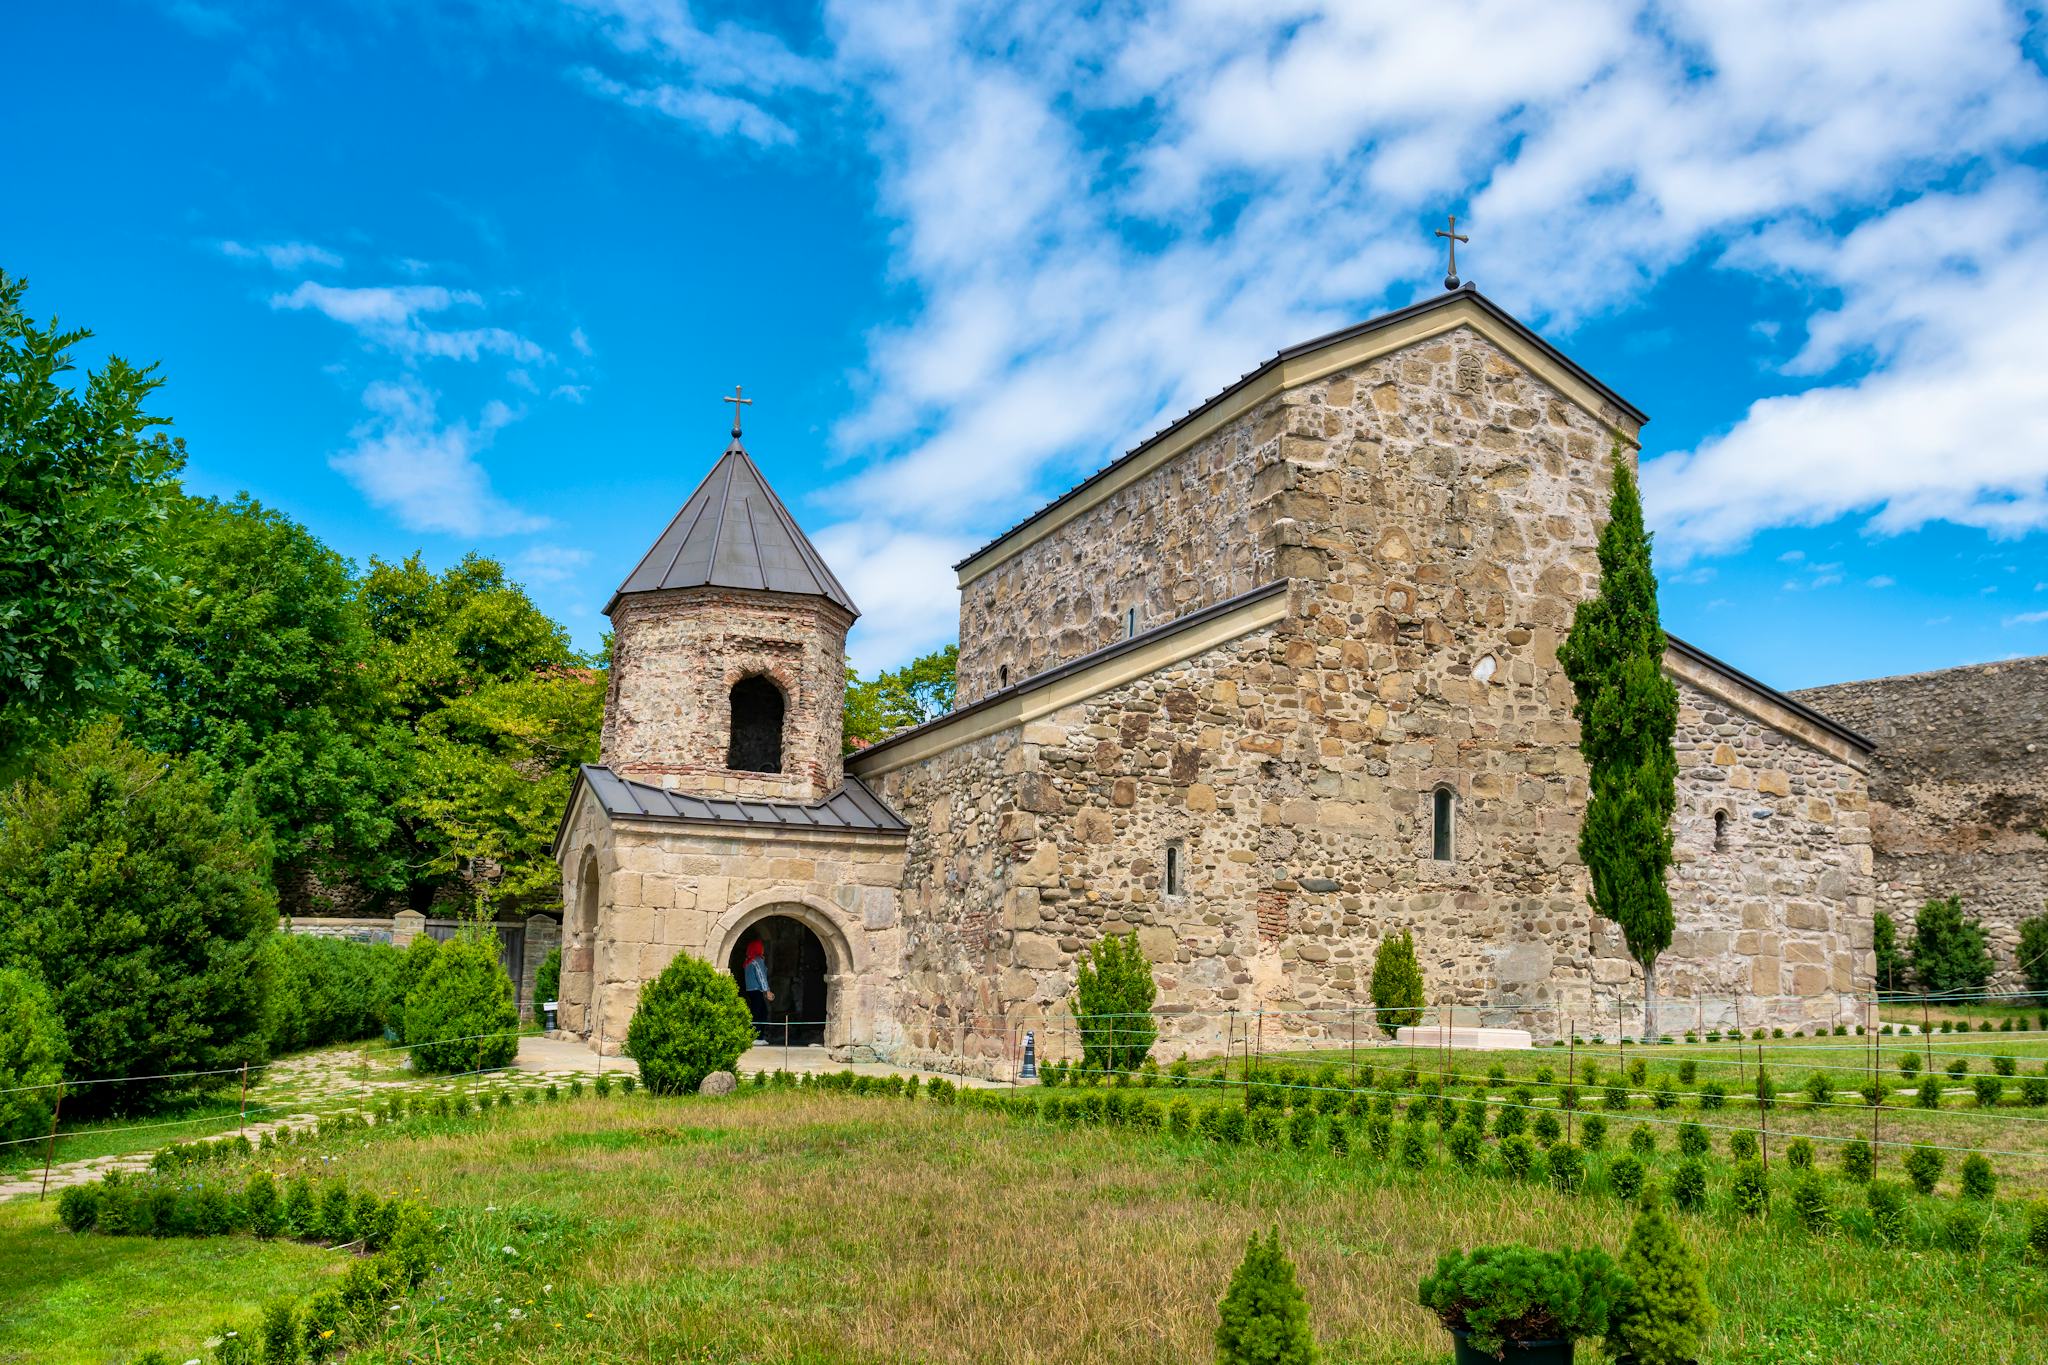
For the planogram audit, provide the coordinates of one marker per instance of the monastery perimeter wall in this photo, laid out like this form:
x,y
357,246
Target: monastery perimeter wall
x,y
1959,792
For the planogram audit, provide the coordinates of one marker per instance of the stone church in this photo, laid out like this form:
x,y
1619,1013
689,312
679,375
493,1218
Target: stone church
x,y
1276,683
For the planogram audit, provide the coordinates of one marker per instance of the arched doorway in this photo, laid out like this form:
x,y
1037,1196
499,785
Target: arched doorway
x,y
797,968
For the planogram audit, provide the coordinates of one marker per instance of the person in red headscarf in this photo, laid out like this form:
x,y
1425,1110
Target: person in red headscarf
x,y
754,981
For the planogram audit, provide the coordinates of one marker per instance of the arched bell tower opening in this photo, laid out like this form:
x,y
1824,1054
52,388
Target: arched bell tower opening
x,y
798,969
755,745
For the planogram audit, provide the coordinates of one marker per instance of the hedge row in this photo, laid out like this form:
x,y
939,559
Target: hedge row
x,y
153,1205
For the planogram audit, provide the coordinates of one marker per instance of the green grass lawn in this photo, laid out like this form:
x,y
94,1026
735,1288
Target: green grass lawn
x,y
794,1226
99,1300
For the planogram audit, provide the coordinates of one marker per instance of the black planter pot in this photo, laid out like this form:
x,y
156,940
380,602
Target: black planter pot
x,y
1514,1353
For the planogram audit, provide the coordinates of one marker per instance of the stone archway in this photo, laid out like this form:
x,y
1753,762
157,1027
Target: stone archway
x,y
844,953
580,979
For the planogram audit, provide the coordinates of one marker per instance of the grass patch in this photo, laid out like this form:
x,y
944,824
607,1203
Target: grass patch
x,y
103,1299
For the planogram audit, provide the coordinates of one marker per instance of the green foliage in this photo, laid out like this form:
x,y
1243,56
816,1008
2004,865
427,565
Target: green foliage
x,y
141,906
1112,1005
897,698
1693,1140
1949,949
1263,1315
1627,710
1662,1317
1396,983
2033,953
1894,972
1751,1189
82,487
691,1021
547,980
1499,1295
1887,1200
1517,1156
32,1053
1857,1160
1799,1154
326,990
1689,1184
1923,1168
1626,1176
1977,1179
460,1016
1567,1167
1810,1201
2036,1236
1414,1146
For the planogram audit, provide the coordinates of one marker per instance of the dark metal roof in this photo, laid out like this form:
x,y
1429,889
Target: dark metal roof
x,y
852,807
1428,305
1833,727
734,533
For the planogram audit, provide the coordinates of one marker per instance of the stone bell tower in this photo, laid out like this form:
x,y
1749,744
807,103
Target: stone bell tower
x,y
729,650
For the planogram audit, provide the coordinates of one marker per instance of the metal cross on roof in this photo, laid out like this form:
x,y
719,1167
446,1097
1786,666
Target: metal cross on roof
x,y
1450,276
737,402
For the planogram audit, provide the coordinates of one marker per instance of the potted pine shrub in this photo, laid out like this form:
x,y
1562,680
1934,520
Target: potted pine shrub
x,y
1516,1304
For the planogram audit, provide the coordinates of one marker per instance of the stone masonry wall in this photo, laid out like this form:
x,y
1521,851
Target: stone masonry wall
x,y
1437,511
1959,792
640,892
1179,539
675,658
1773,905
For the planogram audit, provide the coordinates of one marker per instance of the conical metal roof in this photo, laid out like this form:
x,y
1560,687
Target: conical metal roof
x,y
734,533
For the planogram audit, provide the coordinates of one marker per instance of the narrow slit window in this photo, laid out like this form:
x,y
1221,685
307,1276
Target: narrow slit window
x,y
1176,873
1130,622
1443,814
1720,831
1003,676
756,743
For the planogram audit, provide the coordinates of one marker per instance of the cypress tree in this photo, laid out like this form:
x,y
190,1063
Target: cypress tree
x,y
1628,715
1396,982
1264,1315
1112,1005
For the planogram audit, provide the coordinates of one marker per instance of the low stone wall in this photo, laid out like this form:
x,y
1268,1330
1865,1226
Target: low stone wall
x,y
1959,792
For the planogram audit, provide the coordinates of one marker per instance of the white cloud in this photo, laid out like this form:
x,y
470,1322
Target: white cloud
x,y
573,393
546,563
2027,618
1791,556
1106,215
579,342
427,472
1883,580
393,317
284,256
903,583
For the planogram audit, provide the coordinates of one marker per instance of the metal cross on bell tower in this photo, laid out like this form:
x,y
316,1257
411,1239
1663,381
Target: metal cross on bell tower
x,y
739,402
1455,237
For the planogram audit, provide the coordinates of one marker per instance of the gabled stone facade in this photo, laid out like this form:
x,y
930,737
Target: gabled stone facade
x,y
1350,575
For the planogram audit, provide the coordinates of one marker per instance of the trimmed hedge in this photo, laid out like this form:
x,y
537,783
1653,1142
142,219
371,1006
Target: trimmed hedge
x,y
691,1021
327,990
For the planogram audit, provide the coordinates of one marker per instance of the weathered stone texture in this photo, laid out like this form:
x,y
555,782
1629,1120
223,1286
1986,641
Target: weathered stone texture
x,y
1959,792
675,658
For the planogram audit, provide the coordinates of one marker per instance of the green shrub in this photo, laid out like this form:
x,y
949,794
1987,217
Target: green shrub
x,y
1689,1185
321,990
2005,1066
1887,1199
1923,1168
2033,956
1642,1141
1414,1146
1909,1064
691,1021
1766,1090
1626,1176
1978,1182
1810,1201
1857,1161
1742,1145
2034,1091
1928,1096
2037,1231
1263,1318
1340,1137
1662,1316
547,982
1517,1156
1379,1136
460,1016
1510,1120
1615,1098
284,1337
1688,1072
1265,1126
1693,1140
1751,1190
1962,1229
1498,1295
1799,1154
1819,1089
1546,1128
301,1211
32,1053
1949,951
1593,1132
78,1206
1397,991
1567,1167
1112,1004
140,898
1990,1090
1465,1144
1713,1095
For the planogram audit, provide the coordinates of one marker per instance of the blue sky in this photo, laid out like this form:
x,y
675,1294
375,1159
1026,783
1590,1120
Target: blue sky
x,y
475,276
